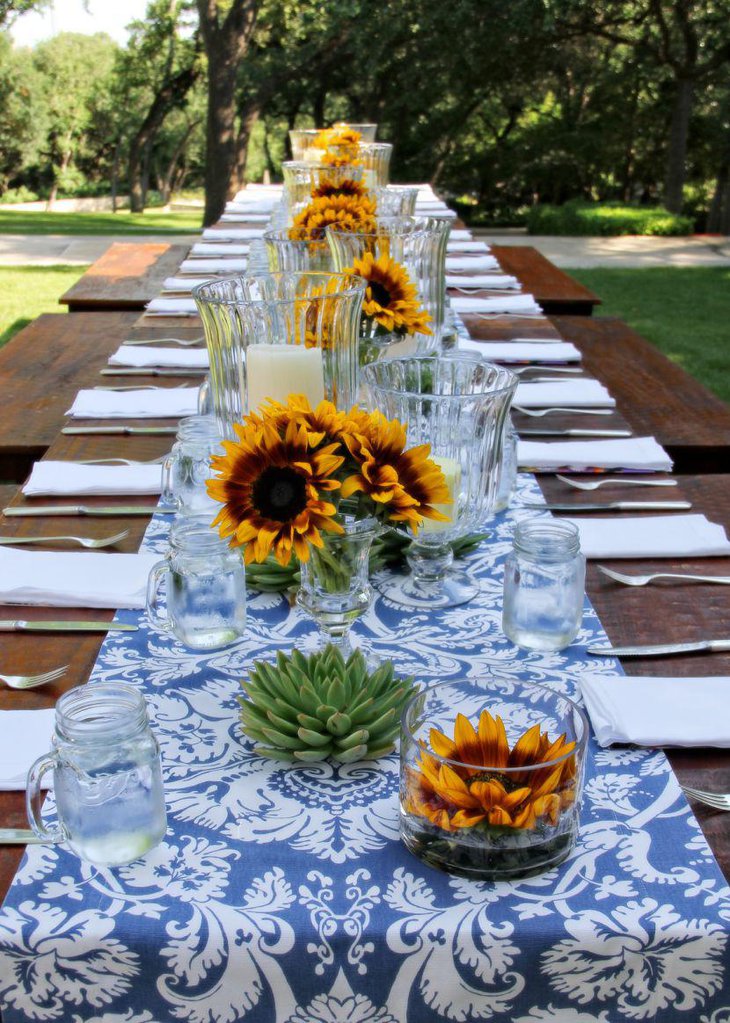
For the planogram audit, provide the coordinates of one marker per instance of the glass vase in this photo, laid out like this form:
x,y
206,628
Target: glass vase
x,y
488,810
302,177
302,140
288,254
272,335
335,588
457,404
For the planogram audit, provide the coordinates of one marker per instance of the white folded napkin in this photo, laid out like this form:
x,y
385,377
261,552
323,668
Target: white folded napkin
x,y
213,266
652,536
471,264
641,454
440,212
465,246
658,711
581,392
74,579
252,206
213,234
160,403
521,351
59,478
481,281
25,735
141,356
183,285
172,307
521,305
246,218
214,249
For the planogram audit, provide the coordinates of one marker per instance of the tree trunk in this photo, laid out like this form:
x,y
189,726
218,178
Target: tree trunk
x,y
248,118
677,152
115,177
719,214
168,177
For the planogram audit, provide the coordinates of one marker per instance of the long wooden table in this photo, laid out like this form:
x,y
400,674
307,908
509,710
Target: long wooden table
x,y
127,276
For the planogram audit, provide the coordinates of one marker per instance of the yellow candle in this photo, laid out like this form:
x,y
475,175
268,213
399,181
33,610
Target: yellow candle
x,y
276,371
452,474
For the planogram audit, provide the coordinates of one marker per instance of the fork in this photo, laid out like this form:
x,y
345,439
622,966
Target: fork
x,y
643,580
717,800
137,387
538,368
184,342
576,411
83,541
31,681
121,461
580,485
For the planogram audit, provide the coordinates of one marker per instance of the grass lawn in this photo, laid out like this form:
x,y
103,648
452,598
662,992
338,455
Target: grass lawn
x,y
685,312
29,291
152,222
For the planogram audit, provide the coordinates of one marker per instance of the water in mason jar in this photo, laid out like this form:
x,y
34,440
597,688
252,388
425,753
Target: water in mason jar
x,y
540,612
112,816
207,608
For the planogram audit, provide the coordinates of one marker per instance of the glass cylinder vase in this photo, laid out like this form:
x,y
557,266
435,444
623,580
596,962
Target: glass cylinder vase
x,y
457,405
272,335
299,255
302,140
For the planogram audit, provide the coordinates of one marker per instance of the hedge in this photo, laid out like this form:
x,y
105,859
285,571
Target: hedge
x,y
605,219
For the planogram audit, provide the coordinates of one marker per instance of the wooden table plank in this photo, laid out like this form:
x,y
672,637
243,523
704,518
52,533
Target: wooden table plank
x,y
558,293
127,276
656,396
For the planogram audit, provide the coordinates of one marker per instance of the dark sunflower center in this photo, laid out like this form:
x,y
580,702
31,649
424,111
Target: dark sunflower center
x,y
279,494
507,783
380,294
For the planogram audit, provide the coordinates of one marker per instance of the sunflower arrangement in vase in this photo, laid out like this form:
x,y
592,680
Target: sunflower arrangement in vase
x,y
340,144
345,205
321,483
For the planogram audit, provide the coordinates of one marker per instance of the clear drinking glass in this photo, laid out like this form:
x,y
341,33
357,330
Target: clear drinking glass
x,y
205,583
107,776
396,200
544,585
457,404
312,321
187,468
507,467
516,816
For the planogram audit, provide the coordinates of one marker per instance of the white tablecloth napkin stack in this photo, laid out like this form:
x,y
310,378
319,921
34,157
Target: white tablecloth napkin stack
x,y
658,711
182,285
471,264
578,392
522,351
641,454
172,307
461,245
213,234
50,478
213,266
652,536
160,403
25,735
507,305
142,356
485,281
218,249
74,579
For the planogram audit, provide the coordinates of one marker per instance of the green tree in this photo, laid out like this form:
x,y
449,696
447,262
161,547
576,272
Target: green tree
x,y
22,120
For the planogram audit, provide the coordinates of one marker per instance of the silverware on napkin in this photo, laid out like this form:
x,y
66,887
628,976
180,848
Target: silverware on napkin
x,y
576,432
614,506
141,371
126,430
21,625
22,511
19,836
710,646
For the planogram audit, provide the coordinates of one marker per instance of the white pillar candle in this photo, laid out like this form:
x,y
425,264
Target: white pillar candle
x,y
276,371
452,474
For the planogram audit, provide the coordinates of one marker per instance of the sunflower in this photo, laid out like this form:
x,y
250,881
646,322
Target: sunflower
x,y
405,482
270,487
347,186
391,298
339,134
348,212
472,789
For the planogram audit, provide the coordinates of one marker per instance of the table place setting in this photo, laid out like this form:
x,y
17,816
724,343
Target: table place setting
x,y
635,454
181,285
458,245
234,234
482,282
539,352
582,392
471,264
652,536
159,403
245,218
213,266
49,478
510,305
143,356
171,307
209,249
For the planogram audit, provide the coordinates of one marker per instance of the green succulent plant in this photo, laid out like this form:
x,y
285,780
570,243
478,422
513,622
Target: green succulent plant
x,y
304,709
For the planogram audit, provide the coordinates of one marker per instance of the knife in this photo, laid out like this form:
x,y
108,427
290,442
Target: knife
x,y
21,625
126,430
19,836
182,371
577,432
615,506
712,646
85,509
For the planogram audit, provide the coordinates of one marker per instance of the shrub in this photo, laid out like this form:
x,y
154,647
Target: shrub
x,y
605,219
20,194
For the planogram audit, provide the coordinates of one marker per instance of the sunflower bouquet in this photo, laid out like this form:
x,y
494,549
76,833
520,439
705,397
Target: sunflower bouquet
x,y
297,474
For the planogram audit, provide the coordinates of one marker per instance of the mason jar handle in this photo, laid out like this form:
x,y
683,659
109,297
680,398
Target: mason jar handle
x,y
33,800
160,622
168,494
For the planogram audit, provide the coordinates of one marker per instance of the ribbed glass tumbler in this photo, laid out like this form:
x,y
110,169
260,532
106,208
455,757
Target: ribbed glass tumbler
x,y
300,255
457,405
271,335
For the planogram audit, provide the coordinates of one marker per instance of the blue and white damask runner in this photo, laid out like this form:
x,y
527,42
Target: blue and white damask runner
x,y
284,895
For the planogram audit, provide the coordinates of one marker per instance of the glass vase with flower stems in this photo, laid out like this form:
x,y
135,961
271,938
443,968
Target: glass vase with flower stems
x,y
270,335
302,255
457,405
302,179
304,139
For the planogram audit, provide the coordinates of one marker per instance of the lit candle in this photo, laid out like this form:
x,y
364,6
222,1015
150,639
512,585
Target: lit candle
x,y
452,474
276,371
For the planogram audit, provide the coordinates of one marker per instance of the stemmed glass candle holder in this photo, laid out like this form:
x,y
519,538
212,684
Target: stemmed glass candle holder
x,y
491,777
272,335
457,405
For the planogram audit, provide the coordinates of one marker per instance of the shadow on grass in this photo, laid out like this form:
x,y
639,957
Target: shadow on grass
x,y
13,329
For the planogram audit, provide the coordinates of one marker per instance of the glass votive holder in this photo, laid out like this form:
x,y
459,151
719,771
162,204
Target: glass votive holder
x,y
107,777
491,777
205,584
544,585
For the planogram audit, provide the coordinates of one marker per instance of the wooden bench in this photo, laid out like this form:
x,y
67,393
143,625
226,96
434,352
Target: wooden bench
x,y
127,276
